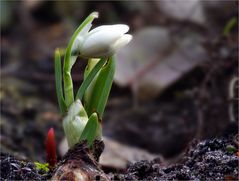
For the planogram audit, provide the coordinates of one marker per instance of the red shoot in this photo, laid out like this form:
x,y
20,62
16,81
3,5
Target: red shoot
x,y
51,148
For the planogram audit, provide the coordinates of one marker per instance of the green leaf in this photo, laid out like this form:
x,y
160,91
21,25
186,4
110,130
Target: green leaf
x,y
90,131
71,57
100,92
91,64
42,166
231,148
229,26
58,81
89,78
87,94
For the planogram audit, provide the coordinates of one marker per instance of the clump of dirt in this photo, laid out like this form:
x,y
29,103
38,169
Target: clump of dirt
x,y
207,160
17,169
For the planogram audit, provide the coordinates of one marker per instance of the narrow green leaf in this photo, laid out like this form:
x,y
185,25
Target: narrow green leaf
x,y
100,92
85,84
58,82
229,26
91,64
90,131
70,58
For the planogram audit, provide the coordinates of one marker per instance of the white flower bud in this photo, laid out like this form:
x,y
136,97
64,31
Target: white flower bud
x,y
103,41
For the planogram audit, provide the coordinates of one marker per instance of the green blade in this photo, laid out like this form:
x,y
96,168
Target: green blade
x,y
87,94
89,78
58,82
100,92
90,131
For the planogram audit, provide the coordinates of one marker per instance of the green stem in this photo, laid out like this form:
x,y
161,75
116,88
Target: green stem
x,y
69,61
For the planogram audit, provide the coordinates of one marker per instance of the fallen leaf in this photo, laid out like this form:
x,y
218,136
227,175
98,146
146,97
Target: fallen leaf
x,y
156,58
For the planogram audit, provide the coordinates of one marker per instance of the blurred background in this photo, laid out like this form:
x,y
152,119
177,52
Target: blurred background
x,y
175,82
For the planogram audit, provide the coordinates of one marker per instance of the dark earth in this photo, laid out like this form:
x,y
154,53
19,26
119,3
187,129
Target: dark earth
x,y
215,159
17,169
206,160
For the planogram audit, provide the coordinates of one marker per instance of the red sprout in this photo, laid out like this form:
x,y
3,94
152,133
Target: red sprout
x,y
51,148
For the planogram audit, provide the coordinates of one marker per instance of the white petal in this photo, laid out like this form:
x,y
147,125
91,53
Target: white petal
x,y
118,27
124,40
77,45
85,29
99,43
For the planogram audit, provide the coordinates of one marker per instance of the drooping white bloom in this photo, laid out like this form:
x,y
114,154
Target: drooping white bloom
x,y
103,41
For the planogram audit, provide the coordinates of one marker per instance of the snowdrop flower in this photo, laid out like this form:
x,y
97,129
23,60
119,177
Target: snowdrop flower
x,y
103,41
